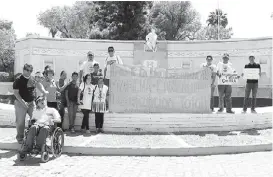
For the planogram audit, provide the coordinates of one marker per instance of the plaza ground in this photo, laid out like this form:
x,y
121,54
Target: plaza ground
x,y
236,165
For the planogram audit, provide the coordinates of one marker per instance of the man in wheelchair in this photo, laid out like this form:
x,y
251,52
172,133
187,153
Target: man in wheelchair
x,y
42,121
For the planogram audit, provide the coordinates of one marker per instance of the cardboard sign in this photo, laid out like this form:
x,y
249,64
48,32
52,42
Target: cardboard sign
x,y
228,79
156,94
251,73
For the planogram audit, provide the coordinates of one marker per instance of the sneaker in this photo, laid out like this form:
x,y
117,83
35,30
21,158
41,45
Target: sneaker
x,y
87,131
212,110
72,130
101,130
243,111
220,110
253,111
230,112
82,130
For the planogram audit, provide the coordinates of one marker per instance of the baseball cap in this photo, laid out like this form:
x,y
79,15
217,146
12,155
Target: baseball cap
x,y
225,55
39,98
90,53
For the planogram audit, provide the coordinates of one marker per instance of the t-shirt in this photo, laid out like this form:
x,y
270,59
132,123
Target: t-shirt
x,y
115,58
26,87
254,65
46,116
88,67
87,95
51,87
72,92
95,77
100,94
226,73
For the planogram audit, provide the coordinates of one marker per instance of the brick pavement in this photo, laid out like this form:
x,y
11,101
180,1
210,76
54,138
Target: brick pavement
x,y
237,165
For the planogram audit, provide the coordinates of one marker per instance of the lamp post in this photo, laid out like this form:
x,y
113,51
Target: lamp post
x,y
218,19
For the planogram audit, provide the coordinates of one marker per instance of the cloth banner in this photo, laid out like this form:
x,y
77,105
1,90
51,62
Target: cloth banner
x,y
135,89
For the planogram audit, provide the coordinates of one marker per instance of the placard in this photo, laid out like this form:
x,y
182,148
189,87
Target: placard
x,y
251,73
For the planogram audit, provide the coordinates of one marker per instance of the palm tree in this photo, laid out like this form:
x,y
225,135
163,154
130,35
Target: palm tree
x,y
213,18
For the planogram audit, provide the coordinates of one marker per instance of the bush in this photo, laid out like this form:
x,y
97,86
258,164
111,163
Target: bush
x,y
6,77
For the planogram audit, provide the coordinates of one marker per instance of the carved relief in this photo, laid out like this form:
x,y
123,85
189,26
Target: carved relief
x,y
220,53
63,52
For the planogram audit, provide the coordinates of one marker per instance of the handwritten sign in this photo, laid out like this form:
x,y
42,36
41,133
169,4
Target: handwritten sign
x,y
251,73
142,94
228,79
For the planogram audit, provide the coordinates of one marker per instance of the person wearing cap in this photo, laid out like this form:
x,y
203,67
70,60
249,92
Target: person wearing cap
x,y
110,59
224,88
40,90
44,118
213,68
88,66
251,85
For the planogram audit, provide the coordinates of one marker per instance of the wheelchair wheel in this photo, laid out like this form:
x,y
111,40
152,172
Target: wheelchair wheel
x,y
21,156
57,142
45,157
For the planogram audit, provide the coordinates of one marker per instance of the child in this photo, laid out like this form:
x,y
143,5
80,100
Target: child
x,y
71,94
96,74
45,118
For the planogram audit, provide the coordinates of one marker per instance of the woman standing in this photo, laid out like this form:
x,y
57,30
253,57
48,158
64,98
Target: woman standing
x,y
85,98
51,87
99,104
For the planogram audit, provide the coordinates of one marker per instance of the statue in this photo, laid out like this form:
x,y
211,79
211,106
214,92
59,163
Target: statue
x,y
151,40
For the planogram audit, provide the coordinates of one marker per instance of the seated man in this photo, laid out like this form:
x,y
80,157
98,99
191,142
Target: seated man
x,y
45,118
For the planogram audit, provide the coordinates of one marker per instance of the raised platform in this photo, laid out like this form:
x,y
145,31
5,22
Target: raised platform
x,y
166,122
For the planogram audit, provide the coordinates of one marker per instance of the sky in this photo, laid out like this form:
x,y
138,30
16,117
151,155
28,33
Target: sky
x,y
248,18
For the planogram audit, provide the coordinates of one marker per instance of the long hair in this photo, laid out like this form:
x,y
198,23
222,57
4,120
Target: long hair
x,y
85,77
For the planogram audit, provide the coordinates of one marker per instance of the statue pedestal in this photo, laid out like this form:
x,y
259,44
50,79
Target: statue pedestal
x,y
160,56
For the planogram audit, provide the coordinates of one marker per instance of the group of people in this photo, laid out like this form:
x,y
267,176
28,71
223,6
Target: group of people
x,y
224,68
87,90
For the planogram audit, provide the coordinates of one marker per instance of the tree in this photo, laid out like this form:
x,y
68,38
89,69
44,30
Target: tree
x,y
213,18
211,33
175,20
71,22
125,20
7,44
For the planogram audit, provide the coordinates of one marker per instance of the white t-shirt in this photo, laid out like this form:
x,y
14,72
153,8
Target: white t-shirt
x,y
100,94
87,96
225,71
115,58
46,116
212,67
87,67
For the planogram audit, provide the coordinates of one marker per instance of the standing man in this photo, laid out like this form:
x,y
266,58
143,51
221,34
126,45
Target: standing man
x,y
111,59
24,91
213,68
251,85
224,72
88,66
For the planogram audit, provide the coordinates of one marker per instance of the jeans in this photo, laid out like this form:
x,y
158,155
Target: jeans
x,y
20,114
212,97
254,88
99,119
85,120
42,132
225,91
72,110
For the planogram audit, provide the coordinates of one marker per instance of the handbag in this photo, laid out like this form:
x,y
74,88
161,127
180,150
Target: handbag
x,y
81,94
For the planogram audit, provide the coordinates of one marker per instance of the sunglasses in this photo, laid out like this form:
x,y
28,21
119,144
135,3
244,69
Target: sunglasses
x,y
110,50
90,55
29,70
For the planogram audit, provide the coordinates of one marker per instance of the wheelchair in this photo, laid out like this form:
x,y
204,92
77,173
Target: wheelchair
x,y
55,147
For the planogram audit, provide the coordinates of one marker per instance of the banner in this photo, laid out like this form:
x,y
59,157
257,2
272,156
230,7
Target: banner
x,y
228,79
133,91
251,73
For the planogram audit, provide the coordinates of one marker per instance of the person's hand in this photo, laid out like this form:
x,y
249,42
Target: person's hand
x,y
213,85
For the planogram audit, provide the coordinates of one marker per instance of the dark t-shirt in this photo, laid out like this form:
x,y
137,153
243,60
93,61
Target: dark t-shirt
x,y
254,65
95,78
72,92
26,87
